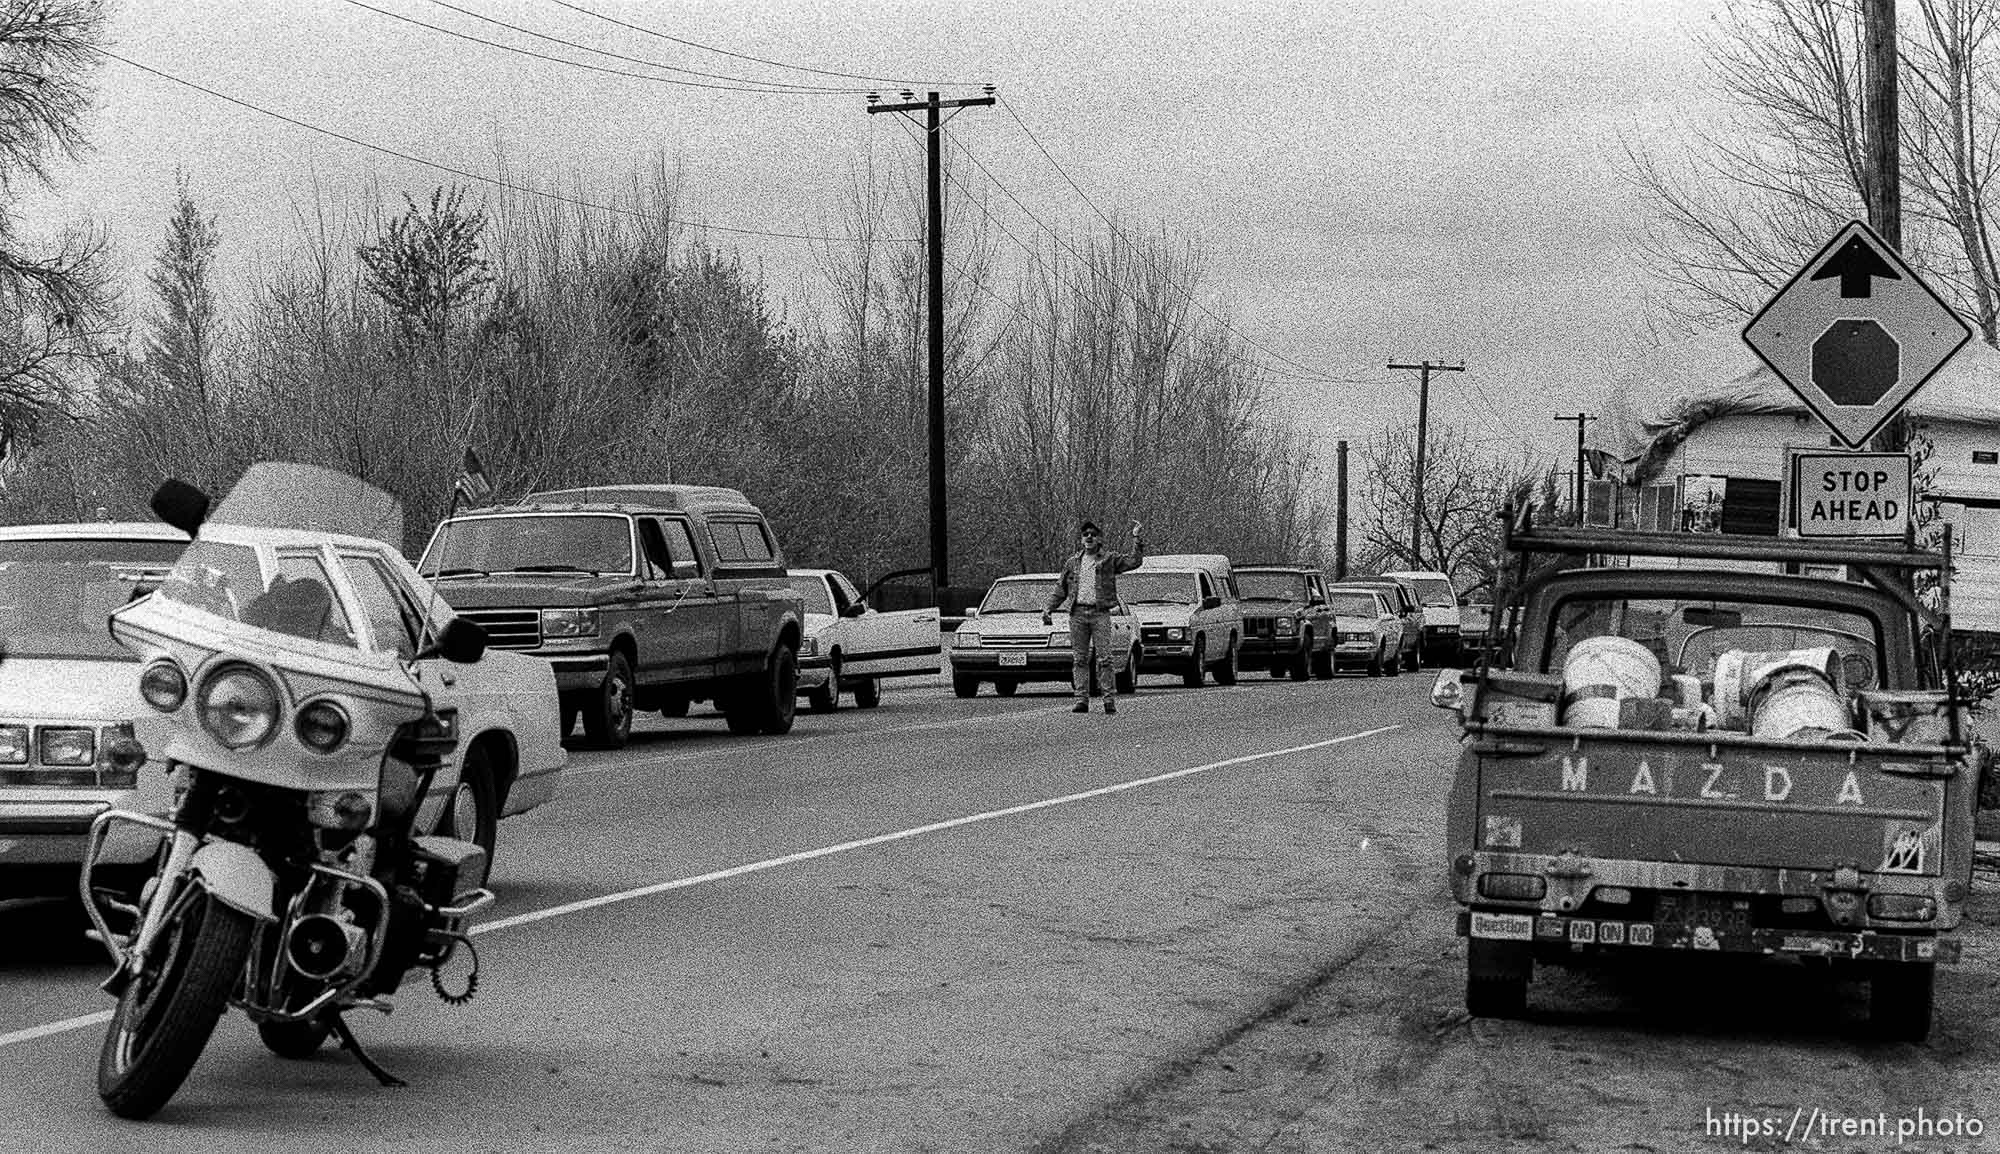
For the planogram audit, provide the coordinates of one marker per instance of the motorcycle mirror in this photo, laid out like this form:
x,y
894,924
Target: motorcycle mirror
x,y
180,504
462,642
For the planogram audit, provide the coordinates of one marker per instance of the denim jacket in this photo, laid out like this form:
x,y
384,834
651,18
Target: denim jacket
x,y
1109,566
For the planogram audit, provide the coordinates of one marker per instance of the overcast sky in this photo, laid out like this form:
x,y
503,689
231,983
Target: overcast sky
x,y
1374,181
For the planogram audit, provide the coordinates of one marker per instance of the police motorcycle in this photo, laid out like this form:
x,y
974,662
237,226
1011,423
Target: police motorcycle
x,y
292,881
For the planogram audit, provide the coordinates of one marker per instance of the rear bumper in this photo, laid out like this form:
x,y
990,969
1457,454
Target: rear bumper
x,y
1619,934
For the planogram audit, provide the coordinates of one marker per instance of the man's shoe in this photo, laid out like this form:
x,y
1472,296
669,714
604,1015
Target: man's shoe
x,y
1081,706
1110,705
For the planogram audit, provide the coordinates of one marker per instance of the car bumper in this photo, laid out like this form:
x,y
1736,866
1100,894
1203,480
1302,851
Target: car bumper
x,y
1033,664
1256,650
1620,934
53,833
577,671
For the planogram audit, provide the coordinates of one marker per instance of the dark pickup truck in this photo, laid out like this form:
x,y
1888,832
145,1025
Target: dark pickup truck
x,y
641,597
1701,759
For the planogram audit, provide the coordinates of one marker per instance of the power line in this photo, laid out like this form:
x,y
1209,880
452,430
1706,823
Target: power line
x,y
787,91
801,88
759,59
1109,223
496,182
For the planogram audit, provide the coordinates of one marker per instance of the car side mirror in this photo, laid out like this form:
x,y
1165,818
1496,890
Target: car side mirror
x,y
1211,602
854,610
462,642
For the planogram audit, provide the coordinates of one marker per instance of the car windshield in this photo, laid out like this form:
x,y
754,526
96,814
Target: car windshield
x,y
296,598
599,544
813,589
1690,636
1434,592
1353,604
1017,596
1256,586
55,594
1140,588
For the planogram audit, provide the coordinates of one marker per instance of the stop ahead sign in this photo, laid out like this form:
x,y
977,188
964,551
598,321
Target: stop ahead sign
x,y
1851,494
1855,333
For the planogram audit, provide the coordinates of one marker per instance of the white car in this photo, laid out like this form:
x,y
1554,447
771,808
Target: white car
x,y
1004,641
68,694
509,754
851,646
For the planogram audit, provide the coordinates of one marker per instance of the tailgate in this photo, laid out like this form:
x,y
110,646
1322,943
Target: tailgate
x,y
1634,799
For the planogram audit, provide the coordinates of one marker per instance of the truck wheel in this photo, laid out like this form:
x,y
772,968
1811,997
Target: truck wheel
x,y
1004,687
1899,1000
1191,676
868,693
1302,660
826,698
1496,978
775,700
1322,663
607,718
1225,670
964,686
1127,679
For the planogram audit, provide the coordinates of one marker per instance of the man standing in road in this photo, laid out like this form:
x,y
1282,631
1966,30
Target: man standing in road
x,y
1090,584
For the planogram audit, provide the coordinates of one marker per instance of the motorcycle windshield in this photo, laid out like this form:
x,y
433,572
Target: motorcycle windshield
x,y
289,495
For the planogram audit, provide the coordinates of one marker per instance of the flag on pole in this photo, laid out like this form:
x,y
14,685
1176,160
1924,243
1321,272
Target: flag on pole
x,y
472,485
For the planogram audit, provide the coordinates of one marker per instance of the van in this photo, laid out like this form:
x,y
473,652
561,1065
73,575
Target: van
x,y
1190,621
1438,598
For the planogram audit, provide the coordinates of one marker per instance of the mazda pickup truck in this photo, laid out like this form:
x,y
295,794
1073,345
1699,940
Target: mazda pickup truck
x,y
1687,760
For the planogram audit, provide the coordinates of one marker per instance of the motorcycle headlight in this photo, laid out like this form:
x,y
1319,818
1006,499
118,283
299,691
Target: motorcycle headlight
x,y
238,706
322,726
339,808
569,622
1286,624
965,640
1176,634
163,685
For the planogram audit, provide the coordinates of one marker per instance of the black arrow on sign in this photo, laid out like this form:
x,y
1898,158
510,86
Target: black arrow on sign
x,y
1854,264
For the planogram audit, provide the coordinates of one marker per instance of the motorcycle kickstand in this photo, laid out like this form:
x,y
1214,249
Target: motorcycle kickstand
x,y
352,1045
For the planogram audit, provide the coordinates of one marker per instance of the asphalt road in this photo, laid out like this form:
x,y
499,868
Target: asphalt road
x,y
937,925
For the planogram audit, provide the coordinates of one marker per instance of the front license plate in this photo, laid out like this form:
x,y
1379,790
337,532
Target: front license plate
x,y
1013,659
1510,927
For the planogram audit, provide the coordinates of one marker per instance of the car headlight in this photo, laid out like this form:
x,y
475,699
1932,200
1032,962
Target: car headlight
x,y
1286,625
1354,636
965,640
1176,634
13,745
66,745
238,706
809,647
569,622
1059,639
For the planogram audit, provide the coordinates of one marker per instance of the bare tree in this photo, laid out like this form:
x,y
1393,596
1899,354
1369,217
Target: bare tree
x,y
1465,489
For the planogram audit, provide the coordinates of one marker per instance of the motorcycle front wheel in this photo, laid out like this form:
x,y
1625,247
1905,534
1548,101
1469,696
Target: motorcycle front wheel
x,y
165,1016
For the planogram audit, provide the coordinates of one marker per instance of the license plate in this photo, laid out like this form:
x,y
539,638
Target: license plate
x,y
1509,927
1013,659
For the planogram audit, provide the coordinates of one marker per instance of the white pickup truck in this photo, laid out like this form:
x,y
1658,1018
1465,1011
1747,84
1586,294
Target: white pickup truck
x,y
851,646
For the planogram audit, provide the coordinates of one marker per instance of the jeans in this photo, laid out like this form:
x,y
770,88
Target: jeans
x,y
1090,637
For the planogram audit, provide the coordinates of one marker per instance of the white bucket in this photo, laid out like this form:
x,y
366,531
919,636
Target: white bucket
x,y
1799,700
1741,675
1601,671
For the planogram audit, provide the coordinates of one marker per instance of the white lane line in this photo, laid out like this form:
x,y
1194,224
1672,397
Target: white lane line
x,y
901,835
88,1020
739,747
62,1027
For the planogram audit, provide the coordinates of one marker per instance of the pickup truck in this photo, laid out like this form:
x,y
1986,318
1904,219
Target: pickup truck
x,y
849,645
1708,760
640,596
1288,627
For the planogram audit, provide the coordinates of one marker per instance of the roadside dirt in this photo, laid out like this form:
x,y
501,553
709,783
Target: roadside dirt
x,y
1659,1056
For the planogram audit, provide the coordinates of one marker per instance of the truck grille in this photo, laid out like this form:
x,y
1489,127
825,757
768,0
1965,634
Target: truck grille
x,y
508,628
1257,626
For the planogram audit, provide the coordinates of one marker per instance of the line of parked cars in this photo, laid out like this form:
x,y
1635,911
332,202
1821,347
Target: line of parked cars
x,y
1197,616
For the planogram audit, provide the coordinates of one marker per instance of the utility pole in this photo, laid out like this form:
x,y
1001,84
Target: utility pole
x,y
931,106
1581,419
1340,502
1880,129
1424,369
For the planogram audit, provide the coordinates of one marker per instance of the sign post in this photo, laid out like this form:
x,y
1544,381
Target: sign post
x,y
1855,333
